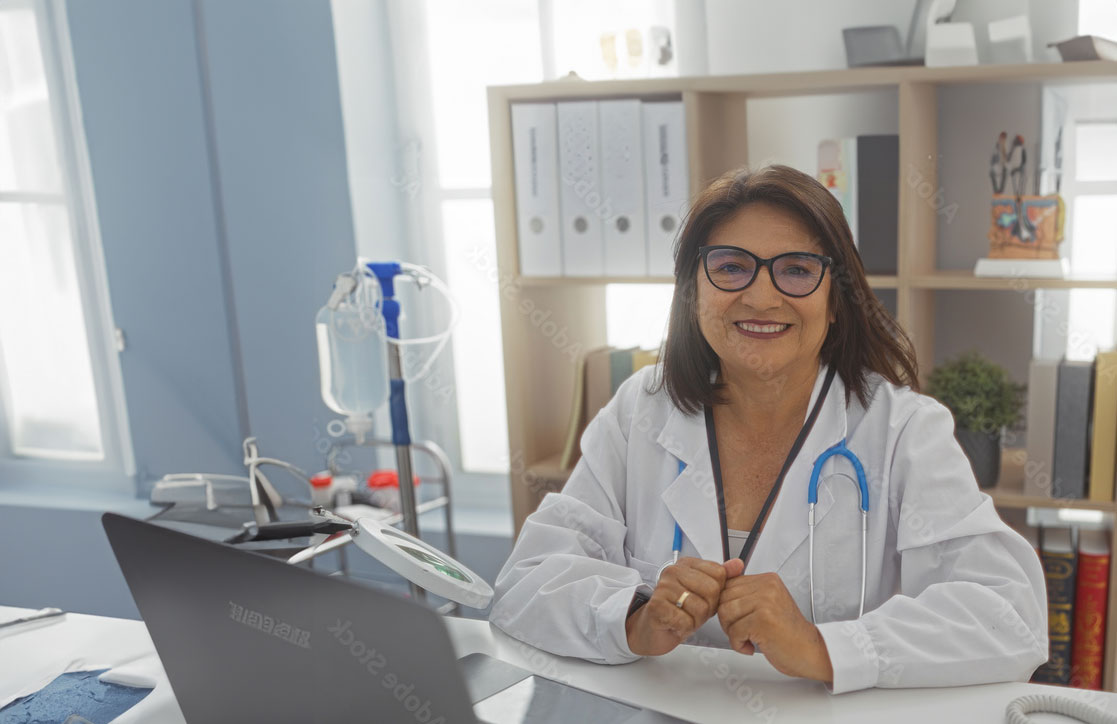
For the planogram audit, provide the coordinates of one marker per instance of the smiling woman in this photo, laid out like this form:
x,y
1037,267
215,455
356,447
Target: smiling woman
x,y
770,212
773,323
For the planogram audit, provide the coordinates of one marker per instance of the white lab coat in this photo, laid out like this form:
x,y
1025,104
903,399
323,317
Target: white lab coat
x,y
953,596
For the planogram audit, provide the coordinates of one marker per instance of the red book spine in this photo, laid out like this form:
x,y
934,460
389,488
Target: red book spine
x,y
1090,606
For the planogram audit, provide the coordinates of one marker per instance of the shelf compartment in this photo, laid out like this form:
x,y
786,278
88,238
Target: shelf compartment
x,y
1009,491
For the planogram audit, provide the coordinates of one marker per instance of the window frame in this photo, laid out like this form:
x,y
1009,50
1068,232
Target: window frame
x,y
115,471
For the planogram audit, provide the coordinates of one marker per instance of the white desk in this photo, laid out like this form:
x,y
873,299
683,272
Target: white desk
x,y
704,685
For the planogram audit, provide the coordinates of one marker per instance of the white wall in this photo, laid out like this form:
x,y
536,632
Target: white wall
x,y
757,36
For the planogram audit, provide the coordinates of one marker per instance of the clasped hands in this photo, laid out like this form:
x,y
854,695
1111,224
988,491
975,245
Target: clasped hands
x,y
756,612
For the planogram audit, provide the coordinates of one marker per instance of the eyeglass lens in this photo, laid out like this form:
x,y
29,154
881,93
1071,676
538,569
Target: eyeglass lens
x,y
793,274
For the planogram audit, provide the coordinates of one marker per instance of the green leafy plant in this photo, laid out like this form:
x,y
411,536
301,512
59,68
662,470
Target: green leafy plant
x,y
978,391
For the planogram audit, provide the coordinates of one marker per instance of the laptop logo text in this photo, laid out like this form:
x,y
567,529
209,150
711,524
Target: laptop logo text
x,y
269,625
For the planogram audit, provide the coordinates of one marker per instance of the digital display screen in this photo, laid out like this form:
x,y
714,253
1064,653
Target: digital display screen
x,y
536,700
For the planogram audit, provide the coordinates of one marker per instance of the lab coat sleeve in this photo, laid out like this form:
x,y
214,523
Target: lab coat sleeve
x,y
566,587
972,605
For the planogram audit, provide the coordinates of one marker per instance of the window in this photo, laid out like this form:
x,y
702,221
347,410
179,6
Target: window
x,y
449,53
56,386
1079,322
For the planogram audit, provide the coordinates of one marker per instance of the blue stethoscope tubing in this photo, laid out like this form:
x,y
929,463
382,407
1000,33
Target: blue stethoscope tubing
x,y
812,498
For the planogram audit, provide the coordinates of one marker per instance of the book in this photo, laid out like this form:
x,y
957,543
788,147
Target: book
x,y
576,424
641,358
1073,401
1042,387
1091,605
1103,440
599,381
837,171
1057,549
620,368
863,174
878,198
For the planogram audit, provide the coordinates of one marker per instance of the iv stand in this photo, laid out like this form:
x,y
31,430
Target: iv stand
x,y
386,273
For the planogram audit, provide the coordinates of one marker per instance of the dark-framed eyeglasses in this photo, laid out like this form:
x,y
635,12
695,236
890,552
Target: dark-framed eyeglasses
x,y
795,274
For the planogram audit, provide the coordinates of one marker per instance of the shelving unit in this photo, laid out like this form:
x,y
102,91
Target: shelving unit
x,y
539,371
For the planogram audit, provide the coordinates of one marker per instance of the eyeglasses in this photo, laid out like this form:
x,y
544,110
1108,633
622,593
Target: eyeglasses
x,y
731,269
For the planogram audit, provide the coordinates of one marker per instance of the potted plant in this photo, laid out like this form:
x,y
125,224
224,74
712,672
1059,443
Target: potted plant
x,y
984,400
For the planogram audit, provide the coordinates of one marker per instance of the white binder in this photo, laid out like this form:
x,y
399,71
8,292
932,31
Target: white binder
x,y
580,199
535,153
667,181
622,188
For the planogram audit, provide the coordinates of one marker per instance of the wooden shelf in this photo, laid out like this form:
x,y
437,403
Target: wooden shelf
x,y
567,281
965,280
1009,491
817,82
541,350
877,281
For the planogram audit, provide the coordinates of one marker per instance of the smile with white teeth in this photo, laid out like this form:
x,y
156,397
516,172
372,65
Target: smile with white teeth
x,y
762,328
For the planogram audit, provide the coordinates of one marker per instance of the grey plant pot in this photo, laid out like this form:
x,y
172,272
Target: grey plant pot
x,y
984,451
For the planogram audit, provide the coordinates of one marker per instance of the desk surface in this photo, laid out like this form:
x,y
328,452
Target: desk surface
x,y
703,685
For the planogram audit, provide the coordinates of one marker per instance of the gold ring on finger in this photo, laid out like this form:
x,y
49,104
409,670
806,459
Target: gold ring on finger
x,y
682,599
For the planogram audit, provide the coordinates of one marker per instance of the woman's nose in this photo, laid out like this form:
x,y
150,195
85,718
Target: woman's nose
x,y
762,293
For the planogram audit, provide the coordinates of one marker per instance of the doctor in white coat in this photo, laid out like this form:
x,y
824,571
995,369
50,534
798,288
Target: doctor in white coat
x,y
777,349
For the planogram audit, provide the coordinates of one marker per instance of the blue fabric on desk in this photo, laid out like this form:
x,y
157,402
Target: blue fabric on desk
x,y
75,693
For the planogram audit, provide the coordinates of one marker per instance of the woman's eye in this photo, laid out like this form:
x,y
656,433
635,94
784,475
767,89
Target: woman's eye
x,y
730,268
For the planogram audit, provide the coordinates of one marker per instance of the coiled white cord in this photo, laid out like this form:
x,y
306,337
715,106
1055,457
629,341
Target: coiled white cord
x,y
1018,710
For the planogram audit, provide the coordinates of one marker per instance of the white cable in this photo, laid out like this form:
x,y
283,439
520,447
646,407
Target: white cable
x,y
367,296
420,276
1018,710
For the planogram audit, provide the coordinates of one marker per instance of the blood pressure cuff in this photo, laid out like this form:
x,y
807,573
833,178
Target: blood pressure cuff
x,y
77,694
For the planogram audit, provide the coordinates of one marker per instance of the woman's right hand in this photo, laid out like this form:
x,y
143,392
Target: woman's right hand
x,y
660,625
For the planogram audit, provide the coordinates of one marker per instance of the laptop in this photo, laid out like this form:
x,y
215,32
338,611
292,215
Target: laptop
x,y
247,638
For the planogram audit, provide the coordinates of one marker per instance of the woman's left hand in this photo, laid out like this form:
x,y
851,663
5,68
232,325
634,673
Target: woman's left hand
x,y
758,613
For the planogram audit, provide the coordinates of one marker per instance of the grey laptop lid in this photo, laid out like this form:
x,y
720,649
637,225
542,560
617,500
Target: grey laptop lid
x,y
245,638
248,638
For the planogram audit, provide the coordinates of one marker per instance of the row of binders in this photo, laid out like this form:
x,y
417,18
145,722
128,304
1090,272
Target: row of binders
x,y
1073,452
1076,571
601,186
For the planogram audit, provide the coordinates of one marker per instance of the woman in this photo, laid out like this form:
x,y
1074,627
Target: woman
x,y
776,350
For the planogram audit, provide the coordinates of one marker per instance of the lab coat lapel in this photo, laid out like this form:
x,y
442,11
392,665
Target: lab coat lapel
x,y
692,497
786,527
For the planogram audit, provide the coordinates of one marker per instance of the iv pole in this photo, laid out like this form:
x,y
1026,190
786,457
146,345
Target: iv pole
x,y
386,273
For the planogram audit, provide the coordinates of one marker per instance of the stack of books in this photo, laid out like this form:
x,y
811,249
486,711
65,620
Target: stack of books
x,y
1072,428
600,373
1076,566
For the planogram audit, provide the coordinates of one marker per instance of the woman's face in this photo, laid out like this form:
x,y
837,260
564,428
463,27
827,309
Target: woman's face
x,y
760,333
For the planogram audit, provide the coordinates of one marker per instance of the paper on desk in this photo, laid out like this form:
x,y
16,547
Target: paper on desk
x,y
31,658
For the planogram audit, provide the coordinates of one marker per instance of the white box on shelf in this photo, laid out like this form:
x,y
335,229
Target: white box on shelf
x,y
1023,268
622,187
583,250
668,184
535,153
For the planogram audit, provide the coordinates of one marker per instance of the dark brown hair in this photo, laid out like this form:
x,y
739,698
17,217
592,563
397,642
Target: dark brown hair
x,y
864,337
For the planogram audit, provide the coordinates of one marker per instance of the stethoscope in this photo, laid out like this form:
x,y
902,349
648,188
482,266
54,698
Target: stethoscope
x,y
812,497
